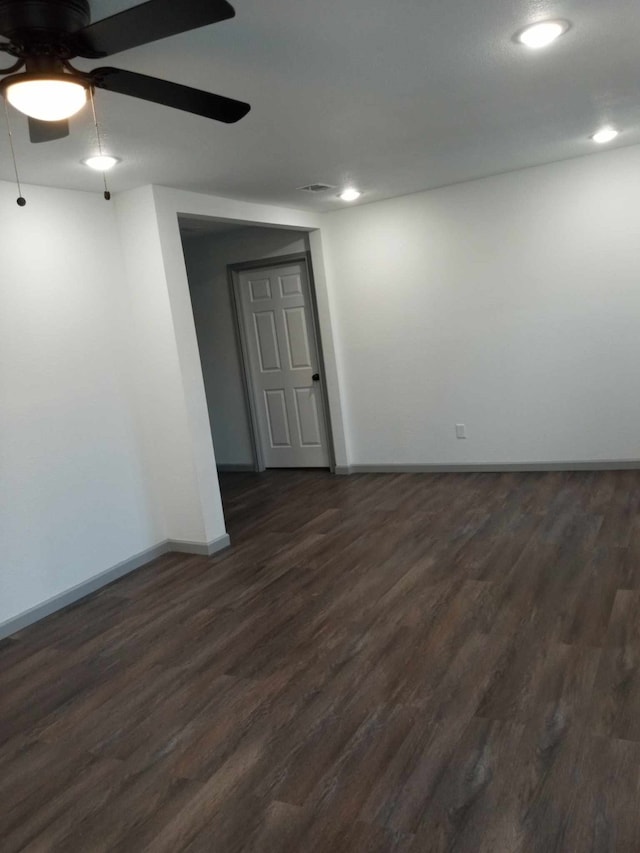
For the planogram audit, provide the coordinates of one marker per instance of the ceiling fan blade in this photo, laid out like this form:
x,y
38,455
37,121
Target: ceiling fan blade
x,y
169,94
47,131
148,22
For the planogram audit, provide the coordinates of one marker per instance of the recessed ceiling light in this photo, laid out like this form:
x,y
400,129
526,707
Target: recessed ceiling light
x,y
349,194
542,34
605,134
102,162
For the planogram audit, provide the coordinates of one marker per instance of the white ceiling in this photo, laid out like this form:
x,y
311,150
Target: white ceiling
x,y
393,96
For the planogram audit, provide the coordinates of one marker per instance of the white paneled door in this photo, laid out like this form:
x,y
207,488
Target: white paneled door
x,y
283,361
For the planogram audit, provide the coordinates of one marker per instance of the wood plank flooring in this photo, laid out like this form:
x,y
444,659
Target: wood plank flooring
x,y
389,664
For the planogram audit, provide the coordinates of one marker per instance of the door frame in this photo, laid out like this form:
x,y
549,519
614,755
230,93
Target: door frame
x,y
233,276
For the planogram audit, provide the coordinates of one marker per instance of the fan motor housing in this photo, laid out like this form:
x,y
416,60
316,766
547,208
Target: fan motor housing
x,y
42,18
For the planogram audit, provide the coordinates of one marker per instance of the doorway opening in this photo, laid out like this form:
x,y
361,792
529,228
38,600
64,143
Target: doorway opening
x,y
255,311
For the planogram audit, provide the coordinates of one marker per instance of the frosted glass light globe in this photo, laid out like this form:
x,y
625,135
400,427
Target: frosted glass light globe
x,y
47,99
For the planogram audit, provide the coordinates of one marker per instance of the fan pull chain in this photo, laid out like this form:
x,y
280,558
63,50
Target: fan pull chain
x,y
107,194
21,201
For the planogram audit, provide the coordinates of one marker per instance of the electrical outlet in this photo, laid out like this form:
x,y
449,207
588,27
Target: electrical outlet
x,y
461,431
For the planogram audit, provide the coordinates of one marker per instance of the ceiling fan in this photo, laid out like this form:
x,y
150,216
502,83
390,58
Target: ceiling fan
x,y
45,35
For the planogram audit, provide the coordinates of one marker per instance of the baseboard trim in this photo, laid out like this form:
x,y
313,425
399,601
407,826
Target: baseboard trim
x,y
497,468
231,468
203,549
91,585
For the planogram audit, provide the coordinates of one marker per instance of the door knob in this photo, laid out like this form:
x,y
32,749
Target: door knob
x,y
316,377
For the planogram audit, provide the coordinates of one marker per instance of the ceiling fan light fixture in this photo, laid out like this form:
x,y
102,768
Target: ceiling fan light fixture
x,y
50,97
101,162
44,36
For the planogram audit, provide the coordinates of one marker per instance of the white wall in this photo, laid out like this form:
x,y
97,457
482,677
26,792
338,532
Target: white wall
x,y
207,257
187,495
73,494
510,304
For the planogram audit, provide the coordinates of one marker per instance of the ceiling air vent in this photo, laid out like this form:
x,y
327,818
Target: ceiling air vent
x,y
317,188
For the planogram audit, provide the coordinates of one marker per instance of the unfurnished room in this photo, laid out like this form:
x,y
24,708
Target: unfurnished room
x,y
319,426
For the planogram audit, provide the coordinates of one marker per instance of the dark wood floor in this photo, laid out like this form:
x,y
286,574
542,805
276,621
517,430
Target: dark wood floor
x,y
381,663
